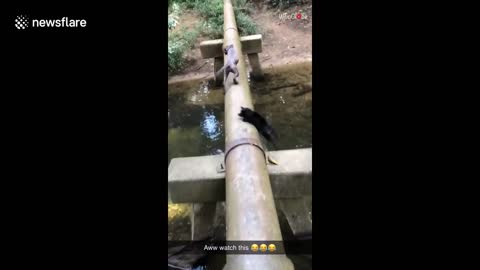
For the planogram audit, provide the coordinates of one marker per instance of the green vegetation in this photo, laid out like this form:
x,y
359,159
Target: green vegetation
x,y
246,25
175,55
175,46
186,3
173,16
211,12
178,43
283,4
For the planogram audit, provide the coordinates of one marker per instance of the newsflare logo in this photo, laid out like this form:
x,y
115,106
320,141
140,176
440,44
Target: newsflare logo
x,y
23,22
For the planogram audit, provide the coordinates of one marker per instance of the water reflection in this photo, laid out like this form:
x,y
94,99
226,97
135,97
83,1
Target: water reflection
x,y
196,112
201,94
211,127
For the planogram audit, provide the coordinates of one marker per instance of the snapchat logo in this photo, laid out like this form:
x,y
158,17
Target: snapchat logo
x,y
263,247
272,248
254,247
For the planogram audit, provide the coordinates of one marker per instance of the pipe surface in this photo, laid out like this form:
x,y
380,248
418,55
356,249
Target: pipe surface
x,y
250,208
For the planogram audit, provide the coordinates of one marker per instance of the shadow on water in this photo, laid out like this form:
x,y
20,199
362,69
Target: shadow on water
x,y
196,128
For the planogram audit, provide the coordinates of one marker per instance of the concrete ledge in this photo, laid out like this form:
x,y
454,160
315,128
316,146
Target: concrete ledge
x,y
214,48
298,214
195,179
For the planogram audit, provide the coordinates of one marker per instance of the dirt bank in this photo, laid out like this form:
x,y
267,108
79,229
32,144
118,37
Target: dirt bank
x,y
287,38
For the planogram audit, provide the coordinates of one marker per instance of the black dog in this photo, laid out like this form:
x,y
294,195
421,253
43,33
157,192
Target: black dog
x,y
260,123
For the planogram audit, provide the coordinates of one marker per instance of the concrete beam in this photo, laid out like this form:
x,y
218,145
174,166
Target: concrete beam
x,y
298,213
257,73
196,180
214,48
207,220
217,65
201,219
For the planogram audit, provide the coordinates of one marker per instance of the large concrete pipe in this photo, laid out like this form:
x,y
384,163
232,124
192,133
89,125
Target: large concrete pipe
x,y
250,208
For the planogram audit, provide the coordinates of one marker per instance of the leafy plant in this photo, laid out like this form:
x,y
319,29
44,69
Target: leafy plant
x,y
212,13
187,3
172,22
175,55
173,16
283,4
245,24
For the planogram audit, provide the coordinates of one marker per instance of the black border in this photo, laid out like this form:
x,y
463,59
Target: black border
x,y
82,107
86,184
